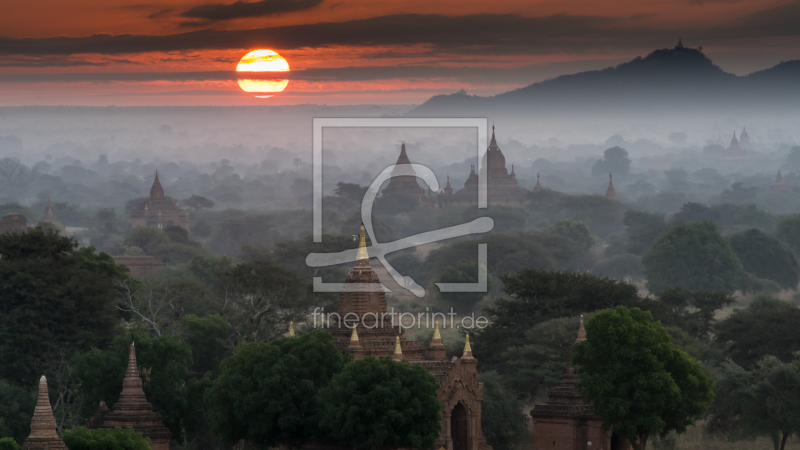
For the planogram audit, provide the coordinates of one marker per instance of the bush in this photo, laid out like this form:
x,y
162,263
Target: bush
x,y
8,443
116,439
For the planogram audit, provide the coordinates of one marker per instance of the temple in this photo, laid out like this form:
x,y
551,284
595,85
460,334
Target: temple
x,y
158,211
13,223
404,184
566,421
779,186
133,410
502,187
49,214
734,150
611,194
43,425
373,333
744,140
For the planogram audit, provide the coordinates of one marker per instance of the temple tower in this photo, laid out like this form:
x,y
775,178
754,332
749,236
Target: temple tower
x,y
133,410
611,194
404,184
49,214
43,425
158,211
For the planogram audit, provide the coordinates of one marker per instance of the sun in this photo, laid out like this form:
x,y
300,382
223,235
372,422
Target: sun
x,y
262,72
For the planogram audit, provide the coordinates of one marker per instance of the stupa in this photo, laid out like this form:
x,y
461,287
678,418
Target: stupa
x,y
43,425
133,410
49,214
611,194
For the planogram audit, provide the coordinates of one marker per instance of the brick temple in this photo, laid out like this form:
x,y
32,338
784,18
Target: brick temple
x,y
158,210
133,410
461,389
43,425
566,421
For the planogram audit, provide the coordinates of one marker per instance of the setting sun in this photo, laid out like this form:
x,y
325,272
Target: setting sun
x,y
256,73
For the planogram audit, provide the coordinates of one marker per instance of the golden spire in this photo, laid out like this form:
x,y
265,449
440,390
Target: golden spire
x,y
398,351
354,335
436,334
291,329
467,347
362,246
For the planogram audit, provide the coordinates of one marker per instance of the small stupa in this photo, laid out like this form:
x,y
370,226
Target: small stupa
x,y
43,425
133,410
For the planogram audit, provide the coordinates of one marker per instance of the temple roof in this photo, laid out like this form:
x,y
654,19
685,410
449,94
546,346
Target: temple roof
x,y
610,192
157,191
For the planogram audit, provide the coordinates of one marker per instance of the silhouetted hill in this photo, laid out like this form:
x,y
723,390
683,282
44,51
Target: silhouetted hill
x,y
679,77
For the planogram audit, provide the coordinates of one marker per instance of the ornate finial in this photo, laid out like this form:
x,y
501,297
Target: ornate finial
x,y
291,329
581,332
354,335
436,334
398,351
362,245
467,347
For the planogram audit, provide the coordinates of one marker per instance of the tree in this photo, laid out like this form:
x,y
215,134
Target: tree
x,y
765,257
762,401
695,212
620,267
381,403
197,202
267,393
8,443
643,230
395,203
208,337
146,238
767,327
536,296
788,230
694,256
114,439
260,299
575,230
351,191
504,425
640,384
16,410
15,173
55,298
105,222
699,321
462,272
615,160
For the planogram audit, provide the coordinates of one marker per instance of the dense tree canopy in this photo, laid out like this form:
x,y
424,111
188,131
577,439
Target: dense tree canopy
x,y
267,393
694,256
639,382
539,295
765,257
762,401
380,403
113,439
615,160
503,423
575,230
55,300
788,230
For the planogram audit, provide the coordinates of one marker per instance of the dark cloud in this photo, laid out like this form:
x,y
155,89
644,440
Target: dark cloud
x,y
478,34
160,14
240,9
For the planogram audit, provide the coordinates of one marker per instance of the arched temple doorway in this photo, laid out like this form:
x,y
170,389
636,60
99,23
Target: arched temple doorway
x,y
459,427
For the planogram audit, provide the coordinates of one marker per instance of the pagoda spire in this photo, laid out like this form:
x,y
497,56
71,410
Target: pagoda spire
x,y
362,257
581,332
43,425
467,349
610,192
291,329
156,191
398,350
354,342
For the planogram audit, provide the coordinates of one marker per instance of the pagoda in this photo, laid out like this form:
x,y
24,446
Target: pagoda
x,y
734,150
49,214
611,194
158,211
779,186
364,328
133,410
43,425
502,187
566,421
404,184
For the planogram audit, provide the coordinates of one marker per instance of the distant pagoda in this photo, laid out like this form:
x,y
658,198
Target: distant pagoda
x,y
611,194
49,214
133,410
404,184
43,425
158,211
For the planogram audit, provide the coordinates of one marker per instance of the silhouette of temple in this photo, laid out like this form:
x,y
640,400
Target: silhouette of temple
x,y
158,211
375,334
502,187
566,421
404,184
734,150
133,410
611,194
13,223
744,140
49,214
779,186
43,425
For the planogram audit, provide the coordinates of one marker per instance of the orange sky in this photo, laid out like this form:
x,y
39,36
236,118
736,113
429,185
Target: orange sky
x,y
137,52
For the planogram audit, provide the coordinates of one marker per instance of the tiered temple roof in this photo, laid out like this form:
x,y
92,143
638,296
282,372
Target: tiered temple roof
x,y
158,211
133,410
43,425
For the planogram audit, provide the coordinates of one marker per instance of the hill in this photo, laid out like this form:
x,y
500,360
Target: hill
x,y
675,78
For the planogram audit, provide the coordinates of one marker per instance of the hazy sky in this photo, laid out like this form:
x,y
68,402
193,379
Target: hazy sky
x,y
184,52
